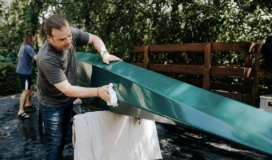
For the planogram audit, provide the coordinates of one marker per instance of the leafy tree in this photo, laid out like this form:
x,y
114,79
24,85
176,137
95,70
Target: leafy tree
x,y
122,24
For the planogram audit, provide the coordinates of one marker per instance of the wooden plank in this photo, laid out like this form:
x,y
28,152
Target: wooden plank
x,y
265,73
138,64
159,57
158,67
247,98
231,71
199,47
195,82
193,69
137,49
248,59
256,74
264,92
140,57
253,47
186,61
245,72
146,58
207,66
238,97
231,46
186,58
227,87
249,72
187,47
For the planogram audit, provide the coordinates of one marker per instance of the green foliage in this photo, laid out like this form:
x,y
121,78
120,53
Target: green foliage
x,y
122,24
9,81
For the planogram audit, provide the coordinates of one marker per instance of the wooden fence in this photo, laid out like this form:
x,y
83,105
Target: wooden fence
x,y
244,93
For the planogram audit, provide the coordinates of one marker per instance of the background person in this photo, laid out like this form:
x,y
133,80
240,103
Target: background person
x,y
57,79
24,69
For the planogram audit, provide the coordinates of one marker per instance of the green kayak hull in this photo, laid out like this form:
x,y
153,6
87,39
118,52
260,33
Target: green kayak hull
x,y
146,94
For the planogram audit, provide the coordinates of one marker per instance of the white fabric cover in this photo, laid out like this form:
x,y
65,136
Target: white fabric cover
x,y
104,135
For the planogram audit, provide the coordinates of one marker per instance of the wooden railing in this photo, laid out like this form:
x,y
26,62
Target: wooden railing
x,y
247,94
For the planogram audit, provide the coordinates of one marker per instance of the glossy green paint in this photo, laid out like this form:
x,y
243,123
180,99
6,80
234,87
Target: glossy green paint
x,y
139,89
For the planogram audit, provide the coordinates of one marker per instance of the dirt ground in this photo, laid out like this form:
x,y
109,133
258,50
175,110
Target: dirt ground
x,y
23,139
179,143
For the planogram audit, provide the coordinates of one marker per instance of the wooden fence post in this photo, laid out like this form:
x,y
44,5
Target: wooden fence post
x,y
186,61
207,66
256,74
159,57
248,59
140,57
146,58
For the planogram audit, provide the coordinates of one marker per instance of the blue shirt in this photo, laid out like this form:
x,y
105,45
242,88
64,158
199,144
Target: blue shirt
x,y
25,63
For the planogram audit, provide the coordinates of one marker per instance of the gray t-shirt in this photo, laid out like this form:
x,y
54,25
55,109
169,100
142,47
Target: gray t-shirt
x,y
56,66
25,60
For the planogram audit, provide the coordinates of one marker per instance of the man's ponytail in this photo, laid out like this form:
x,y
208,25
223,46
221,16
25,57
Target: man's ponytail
x,y
42,33
56,21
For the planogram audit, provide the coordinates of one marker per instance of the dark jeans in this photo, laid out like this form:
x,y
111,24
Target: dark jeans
x,y
57,123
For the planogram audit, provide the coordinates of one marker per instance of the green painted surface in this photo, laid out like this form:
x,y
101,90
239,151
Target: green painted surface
x,y
178,101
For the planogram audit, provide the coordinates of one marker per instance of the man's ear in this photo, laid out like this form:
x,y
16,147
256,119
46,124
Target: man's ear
x,y
50,39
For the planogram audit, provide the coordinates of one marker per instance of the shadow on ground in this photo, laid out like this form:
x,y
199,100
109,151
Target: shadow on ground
x,y
23,139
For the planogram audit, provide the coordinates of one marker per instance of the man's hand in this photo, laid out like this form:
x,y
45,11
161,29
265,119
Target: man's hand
x,y
107,58
102,92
